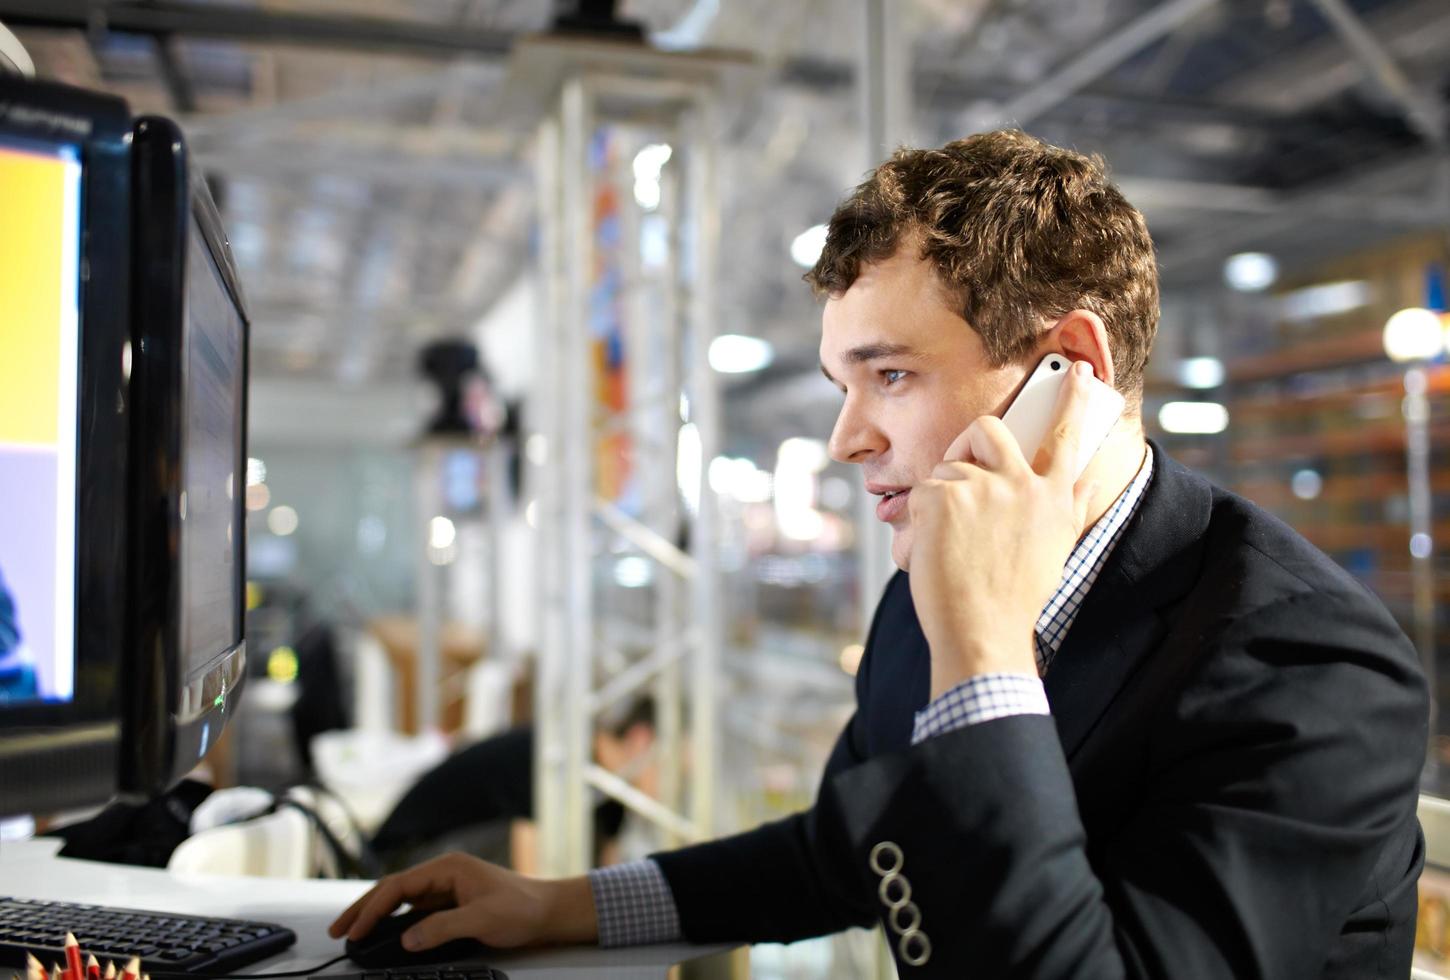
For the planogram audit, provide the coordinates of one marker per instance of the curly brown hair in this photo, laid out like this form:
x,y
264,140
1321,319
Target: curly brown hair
x,y
1019,231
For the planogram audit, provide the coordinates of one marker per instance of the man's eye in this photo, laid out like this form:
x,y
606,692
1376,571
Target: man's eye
x,y
891,375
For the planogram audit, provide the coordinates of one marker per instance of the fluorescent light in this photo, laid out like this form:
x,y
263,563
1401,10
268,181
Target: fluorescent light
x,y
650,160
1306,484
1413,335
809,455
732,353
647,193
647,165
1250,272
1329,299
797,463
1200,372
633,572
801,525
1193,418
441,533
282,521
807,246
256,471
739,478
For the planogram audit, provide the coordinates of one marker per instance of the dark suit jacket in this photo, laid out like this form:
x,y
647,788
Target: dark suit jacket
x,y
1226,787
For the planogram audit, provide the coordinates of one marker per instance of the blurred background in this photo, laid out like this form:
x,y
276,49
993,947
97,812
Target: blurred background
x,y
389,174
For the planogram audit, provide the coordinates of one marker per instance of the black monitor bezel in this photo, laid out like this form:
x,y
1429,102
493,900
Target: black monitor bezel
x,y
58,755
161,744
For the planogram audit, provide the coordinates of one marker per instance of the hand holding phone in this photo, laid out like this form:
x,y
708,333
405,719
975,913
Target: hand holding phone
x,y
991,535
1031,412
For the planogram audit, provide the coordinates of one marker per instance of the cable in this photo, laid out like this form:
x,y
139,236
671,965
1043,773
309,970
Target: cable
x,y
247,976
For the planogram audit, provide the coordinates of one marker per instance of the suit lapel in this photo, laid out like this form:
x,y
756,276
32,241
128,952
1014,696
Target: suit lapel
x,y
1122,619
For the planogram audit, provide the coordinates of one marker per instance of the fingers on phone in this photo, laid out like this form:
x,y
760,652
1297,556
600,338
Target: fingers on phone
x,y
1058,454
994,446
960,451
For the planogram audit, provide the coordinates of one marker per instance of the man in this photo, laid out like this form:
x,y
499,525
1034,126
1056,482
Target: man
x,y
481,798
1214,776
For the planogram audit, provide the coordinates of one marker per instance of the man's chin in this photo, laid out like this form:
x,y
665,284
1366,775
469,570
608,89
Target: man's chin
x,y
901,547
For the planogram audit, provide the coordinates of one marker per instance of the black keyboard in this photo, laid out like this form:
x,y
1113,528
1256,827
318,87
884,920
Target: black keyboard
x,y
421,973
166,942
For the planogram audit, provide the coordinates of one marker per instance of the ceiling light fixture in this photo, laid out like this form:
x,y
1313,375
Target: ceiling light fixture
x,y
1250,272
733,353
806,248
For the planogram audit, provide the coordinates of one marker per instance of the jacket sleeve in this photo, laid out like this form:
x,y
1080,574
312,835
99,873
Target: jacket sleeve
x,y
782,881
1275,785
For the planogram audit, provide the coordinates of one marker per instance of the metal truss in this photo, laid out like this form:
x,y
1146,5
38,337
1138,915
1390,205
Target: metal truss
x,y
602,644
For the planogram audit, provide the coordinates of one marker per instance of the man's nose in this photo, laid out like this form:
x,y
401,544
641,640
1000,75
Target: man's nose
x,y
855,438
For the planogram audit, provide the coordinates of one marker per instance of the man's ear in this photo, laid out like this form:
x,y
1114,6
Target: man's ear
x,y
1081,335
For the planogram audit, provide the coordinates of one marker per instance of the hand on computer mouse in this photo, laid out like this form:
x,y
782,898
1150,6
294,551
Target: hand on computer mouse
x,y
476,900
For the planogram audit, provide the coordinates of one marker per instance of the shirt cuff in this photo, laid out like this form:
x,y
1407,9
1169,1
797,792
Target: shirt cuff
x,y
634,905
978,699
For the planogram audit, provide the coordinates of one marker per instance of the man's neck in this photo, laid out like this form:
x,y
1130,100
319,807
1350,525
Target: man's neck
x,y
1114,466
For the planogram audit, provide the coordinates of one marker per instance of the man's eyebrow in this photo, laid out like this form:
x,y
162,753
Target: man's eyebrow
x,y
872,352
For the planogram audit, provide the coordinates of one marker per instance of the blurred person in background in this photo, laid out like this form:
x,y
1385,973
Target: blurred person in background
x,y
480,799
1124,725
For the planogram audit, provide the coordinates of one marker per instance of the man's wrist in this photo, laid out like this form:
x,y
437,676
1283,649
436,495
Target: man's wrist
x,y
570,916
959,662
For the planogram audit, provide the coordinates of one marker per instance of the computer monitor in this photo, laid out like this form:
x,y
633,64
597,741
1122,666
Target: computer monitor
x,y
64,438
123,378
189,380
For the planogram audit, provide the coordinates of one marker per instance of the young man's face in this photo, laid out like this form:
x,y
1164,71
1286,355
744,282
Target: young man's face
x,y
914,375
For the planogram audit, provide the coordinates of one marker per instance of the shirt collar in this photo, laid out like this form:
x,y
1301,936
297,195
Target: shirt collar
x,y
1085,563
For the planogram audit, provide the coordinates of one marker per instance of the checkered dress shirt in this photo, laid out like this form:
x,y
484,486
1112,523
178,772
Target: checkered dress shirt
x,y
988,696
633,901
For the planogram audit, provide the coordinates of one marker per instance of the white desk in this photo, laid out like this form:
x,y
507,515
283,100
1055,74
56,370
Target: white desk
x,y
30,869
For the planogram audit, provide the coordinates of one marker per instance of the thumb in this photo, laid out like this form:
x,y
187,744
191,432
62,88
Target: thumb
x,y
439,928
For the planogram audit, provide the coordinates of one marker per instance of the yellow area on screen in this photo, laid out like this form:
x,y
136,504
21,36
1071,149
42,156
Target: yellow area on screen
x,y
32,209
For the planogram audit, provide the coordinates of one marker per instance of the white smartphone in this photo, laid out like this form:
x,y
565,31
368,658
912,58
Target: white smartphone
x,y
1030,413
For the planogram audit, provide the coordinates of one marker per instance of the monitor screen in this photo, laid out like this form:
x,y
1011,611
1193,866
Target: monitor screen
x,y
213,415
212,575
189,381
40,199
65,438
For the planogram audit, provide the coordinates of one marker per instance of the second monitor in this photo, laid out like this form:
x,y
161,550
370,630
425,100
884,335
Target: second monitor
x,y
188,486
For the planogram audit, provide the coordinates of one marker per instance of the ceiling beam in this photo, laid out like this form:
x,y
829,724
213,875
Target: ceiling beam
x,y
408,170
257,24
373,99
229,21
1120,44
1396,195
1414,32
1424,112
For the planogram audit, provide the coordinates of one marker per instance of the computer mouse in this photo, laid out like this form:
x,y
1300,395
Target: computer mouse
x,y
383,949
